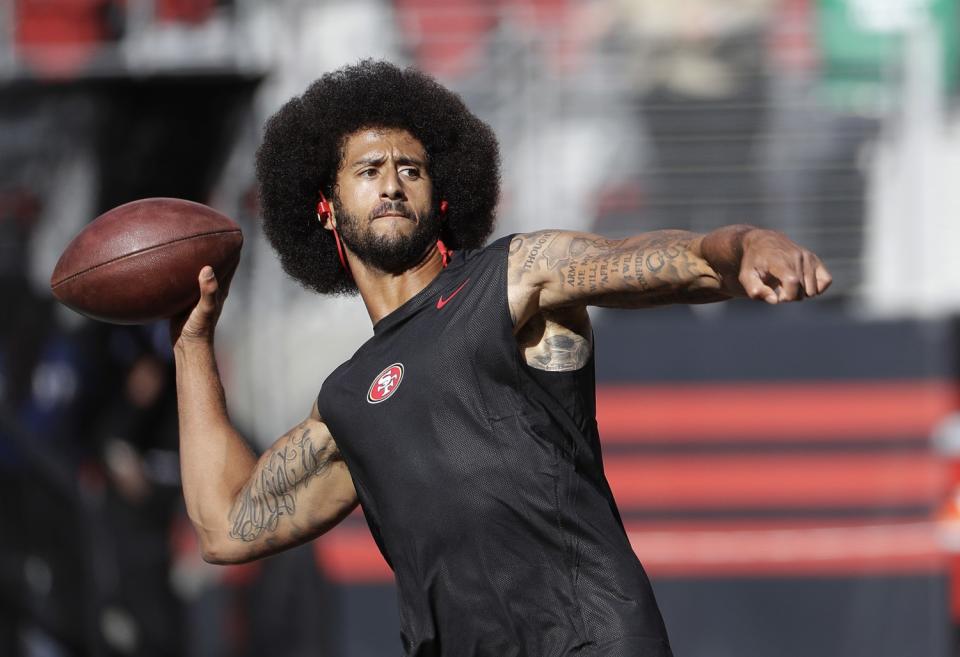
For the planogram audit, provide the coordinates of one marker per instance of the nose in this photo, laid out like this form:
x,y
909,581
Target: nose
x,y
393,186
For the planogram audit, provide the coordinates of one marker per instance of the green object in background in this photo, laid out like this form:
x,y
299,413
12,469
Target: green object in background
x,y
861,43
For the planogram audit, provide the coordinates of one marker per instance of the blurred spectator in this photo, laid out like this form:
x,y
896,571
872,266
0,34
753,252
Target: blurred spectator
x,y
41,528
136,437
185,11
697,71
812,151
60,37
88,491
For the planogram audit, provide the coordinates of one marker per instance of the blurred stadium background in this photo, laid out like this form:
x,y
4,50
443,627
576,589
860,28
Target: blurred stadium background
x,y
787,475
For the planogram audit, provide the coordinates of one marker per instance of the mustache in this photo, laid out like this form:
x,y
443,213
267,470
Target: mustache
x,y
392,207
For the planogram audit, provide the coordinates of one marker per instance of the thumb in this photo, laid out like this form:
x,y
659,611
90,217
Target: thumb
x,y
199,322
208,290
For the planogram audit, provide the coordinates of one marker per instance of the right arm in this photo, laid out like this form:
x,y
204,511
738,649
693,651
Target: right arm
x,y
243,507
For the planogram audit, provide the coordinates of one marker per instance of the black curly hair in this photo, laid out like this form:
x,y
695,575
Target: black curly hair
x,y
303,147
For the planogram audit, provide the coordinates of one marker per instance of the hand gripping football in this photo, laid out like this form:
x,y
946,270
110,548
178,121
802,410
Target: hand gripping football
x,y
139,262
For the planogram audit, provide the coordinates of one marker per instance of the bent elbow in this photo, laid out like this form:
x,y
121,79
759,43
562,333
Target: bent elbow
x,y
216,557
220,556
216,550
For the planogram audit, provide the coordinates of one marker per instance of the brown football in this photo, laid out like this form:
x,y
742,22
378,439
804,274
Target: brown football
x,y
139,262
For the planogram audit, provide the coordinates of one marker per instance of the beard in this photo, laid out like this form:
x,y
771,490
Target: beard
x,y
391,254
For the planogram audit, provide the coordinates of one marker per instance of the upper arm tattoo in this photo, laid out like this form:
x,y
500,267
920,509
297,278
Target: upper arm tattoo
x,y
280,475
562,353
649,269
557,341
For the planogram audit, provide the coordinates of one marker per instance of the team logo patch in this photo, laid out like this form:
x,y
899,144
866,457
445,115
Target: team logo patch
x,y
385,384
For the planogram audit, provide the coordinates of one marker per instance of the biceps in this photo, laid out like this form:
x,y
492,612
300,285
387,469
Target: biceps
x,y
552,268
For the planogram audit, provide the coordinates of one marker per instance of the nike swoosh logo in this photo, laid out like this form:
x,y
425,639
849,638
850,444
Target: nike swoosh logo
x,y
441,302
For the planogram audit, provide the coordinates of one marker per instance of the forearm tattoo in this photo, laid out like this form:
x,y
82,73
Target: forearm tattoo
x,y
272,490
650,269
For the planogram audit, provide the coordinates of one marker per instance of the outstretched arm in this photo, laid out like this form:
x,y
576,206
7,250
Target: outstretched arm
x,y
243,507
549,270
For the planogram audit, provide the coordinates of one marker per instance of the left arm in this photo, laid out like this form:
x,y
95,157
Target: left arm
x,y
551,270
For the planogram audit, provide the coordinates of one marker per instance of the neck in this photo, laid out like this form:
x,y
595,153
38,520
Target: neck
x,y
383,293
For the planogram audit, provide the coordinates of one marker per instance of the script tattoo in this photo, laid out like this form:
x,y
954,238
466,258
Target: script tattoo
x,y
272,491
651,269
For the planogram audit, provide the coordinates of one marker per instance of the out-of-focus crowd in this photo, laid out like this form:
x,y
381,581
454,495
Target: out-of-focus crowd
x,y
96,554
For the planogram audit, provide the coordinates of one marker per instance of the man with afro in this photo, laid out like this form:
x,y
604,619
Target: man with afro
x,y
465,426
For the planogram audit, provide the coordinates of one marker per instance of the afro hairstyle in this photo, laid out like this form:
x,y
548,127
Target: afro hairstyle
x,y
303,147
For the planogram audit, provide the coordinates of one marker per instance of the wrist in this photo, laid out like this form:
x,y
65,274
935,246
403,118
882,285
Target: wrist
x,y
723,248
723,251
748,235
186,346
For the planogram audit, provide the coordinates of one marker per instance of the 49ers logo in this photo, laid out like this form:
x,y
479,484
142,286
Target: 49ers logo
x,y
385,384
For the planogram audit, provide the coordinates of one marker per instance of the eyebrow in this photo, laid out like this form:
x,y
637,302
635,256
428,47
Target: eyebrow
x,y
376,160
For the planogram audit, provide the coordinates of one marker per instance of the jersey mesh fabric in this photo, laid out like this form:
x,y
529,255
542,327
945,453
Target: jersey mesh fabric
x,y
482,483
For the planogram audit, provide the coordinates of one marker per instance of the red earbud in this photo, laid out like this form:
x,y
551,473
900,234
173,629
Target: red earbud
x,y
443,207
323,207
324,213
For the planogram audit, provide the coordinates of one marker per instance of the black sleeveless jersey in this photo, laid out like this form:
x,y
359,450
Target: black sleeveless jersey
x,y
481,481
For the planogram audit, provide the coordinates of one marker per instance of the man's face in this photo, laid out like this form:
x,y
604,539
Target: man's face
x,y
383,199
